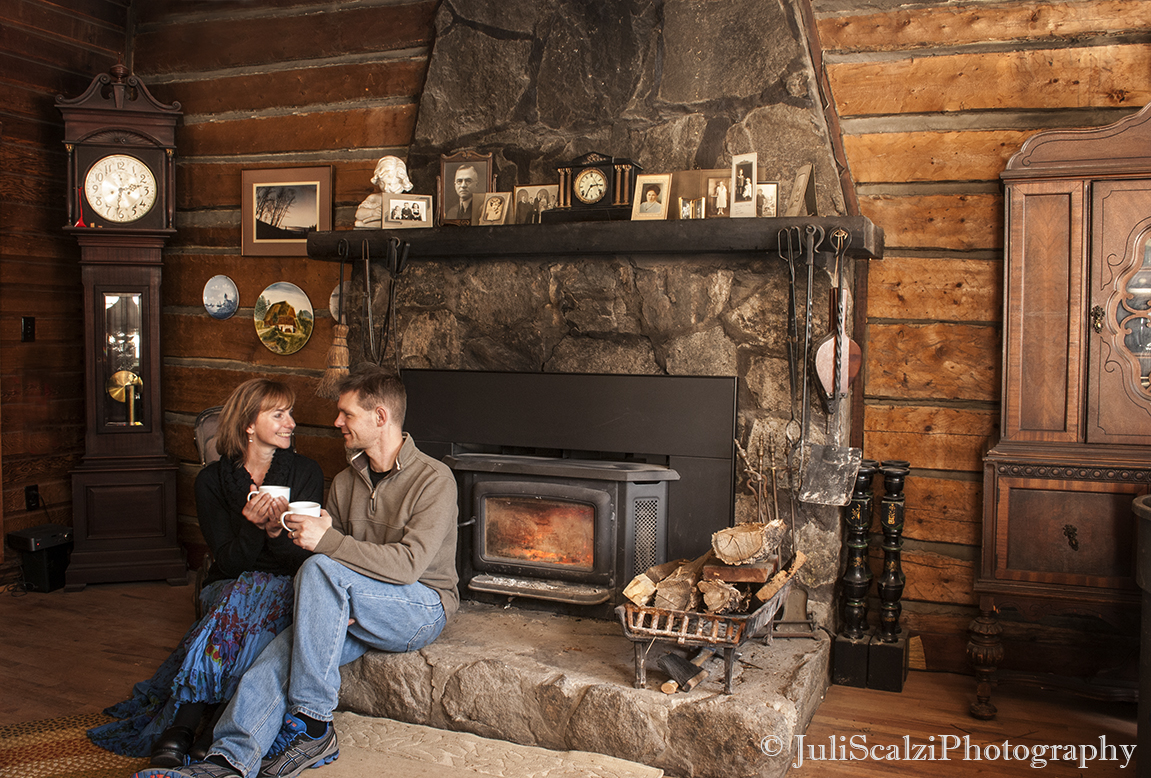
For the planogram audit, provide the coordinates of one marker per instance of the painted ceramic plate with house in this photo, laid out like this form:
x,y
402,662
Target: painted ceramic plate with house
x,y
283,318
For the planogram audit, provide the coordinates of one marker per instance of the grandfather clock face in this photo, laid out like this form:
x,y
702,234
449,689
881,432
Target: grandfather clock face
x,y
120,188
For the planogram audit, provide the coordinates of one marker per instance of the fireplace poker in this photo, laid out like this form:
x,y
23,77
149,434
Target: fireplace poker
x,y
774,485
370,341
814,236
792,239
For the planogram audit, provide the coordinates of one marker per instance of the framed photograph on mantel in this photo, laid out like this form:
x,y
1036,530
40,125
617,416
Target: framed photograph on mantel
x,y
280,206
767,199
652,193
743,181
464,178
405,211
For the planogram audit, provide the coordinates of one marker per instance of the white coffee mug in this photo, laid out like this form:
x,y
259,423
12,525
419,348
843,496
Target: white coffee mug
x,y
302,508
275,491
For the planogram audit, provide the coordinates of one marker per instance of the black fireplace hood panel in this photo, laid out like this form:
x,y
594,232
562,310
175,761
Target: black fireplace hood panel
x,y
685,422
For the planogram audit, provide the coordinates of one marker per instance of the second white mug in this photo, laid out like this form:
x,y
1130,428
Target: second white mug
x,y
302,508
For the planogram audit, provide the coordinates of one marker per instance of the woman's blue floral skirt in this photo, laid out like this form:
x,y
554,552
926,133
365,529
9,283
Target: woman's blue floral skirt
x,y
242,616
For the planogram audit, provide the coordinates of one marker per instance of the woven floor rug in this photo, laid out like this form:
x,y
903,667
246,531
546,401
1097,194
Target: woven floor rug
x,y
60,748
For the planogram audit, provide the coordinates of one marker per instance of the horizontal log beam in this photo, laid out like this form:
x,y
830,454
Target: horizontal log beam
x,y
918,288
905,157
916,28
967,222
933,361
180,48
1037,79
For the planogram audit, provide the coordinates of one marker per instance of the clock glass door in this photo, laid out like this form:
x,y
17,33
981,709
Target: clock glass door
x,y
123,350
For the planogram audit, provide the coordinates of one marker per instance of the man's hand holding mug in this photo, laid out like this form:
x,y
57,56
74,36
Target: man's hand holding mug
x,y
305,523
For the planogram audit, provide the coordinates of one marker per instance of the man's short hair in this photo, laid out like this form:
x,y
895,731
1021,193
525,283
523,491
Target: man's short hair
x,y
375,386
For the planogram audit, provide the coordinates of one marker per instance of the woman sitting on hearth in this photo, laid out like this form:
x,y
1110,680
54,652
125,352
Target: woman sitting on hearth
x,y
247,595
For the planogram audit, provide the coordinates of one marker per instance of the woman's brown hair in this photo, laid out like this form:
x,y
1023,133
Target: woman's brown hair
x,y
241,409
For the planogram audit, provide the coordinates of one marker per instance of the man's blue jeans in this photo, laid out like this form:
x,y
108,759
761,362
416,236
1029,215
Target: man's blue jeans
x,y
299,671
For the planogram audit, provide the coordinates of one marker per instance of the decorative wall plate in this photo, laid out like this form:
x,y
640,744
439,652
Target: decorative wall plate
x,y
283,318
221,298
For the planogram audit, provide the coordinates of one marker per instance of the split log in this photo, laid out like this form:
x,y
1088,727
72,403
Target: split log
x,y
745,543
678,591
756,572
642,587
722,597
768,590
672,686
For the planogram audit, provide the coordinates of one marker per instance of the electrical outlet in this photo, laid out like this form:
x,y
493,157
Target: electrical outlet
x,y
32,497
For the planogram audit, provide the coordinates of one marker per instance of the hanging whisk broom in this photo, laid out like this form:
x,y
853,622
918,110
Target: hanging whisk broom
x,y
337,360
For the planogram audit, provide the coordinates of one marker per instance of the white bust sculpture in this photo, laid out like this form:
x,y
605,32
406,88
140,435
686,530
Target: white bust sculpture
x,y
391,176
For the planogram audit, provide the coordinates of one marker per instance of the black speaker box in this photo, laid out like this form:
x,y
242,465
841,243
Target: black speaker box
x,y
44,554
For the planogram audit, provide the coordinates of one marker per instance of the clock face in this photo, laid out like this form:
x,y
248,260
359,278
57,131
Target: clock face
x,y
120,188
591,185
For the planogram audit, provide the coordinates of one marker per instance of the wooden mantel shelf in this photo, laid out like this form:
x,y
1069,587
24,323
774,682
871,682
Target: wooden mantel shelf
x,y
681,237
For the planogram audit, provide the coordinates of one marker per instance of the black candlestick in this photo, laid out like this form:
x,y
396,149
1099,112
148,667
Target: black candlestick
x,y
891,580
857,576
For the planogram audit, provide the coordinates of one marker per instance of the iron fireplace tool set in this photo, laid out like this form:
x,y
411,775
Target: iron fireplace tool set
x,y
826,472
376,346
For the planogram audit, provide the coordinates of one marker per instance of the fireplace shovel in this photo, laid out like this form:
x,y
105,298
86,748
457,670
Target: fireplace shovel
x,y
830,469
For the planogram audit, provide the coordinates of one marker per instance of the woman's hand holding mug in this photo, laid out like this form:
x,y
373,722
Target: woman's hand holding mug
x,y
264,505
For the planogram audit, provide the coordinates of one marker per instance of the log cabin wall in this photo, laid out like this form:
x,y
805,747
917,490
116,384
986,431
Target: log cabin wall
x,y
46,49
933,98
267,85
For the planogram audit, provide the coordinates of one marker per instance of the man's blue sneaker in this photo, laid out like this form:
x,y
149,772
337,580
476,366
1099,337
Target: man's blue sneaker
x,y
197,770
293,752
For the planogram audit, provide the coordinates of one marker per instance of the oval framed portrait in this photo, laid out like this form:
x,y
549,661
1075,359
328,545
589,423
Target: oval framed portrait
x,y
283,318
221,298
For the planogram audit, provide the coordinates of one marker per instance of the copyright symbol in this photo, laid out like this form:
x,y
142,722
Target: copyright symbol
x,y
771,745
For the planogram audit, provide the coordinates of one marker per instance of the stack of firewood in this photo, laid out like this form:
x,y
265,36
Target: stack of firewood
x,y
740,571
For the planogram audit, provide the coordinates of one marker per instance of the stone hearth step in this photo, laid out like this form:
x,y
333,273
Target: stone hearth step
x,y
565,683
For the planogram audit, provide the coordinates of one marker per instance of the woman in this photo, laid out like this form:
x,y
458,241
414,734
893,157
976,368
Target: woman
x,y
247,597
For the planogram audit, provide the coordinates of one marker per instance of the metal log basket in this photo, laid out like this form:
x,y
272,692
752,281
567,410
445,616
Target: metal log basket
x,y
643,625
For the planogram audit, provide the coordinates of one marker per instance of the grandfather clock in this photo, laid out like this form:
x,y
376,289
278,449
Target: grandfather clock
x,y
121,142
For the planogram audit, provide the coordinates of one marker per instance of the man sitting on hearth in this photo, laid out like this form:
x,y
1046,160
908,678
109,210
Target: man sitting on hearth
x,y
382,576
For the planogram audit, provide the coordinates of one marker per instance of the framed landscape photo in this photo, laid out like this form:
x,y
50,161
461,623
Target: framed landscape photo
x,y
767,199
743,181
464,178
652,193
405,211
280,206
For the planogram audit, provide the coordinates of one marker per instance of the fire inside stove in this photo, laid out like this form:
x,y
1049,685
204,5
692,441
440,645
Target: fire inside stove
x,y
552,532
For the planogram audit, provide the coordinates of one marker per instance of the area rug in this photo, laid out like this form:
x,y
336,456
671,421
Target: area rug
x,y
60,748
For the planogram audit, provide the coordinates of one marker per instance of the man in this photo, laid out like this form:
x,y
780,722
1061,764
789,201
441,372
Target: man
x,y
383,577
467,184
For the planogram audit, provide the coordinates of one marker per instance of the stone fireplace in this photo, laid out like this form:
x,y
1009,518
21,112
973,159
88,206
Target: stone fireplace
x,y
675,85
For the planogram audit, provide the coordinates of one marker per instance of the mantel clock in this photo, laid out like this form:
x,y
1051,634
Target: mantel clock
x,y
595,186
121,145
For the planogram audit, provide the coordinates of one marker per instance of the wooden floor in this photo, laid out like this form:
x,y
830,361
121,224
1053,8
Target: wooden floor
x,y
77,652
